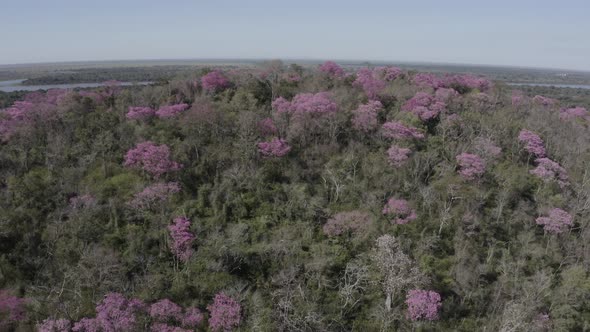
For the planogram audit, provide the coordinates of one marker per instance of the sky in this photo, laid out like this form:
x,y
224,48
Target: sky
x,y
547,34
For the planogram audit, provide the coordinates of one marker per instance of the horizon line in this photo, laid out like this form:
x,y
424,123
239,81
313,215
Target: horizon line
x,y
295,60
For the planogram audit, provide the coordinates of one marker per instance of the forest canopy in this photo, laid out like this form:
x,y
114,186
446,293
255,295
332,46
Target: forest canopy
x,y
284,198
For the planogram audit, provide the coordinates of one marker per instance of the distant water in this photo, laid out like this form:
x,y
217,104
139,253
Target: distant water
x,y
554,85
16,85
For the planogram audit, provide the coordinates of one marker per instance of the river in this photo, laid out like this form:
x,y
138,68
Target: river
x,y
16,85
552,85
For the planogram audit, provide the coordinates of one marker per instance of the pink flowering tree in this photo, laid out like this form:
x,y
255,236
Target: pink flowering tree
x,y
423,305
215,81
332,69
574,113
193,317
445,95
224,313
319,103
370,82
306,114
556,222
397,130
465,83
12,310
151,158
365,116
425,106
419,99
281,105
170,111
165,311
549,170
26,114
163,327
398,156
399,210
267,127
427,80
471,166
140,113
347,222
388,73
154,195
277,147
113,313
533,144
182,238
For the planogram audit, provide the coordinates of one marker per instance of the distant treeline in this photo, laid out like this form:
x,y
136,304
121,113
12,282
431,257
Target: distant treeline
x,y
127,74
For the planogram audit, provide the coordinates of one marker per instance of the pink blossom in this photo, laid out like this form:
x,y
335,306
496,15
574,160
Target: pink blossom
x,y
88,325
556,222
267,127
397,156
277,147
471,166
54,325
152,158
113,313
420,99
215,81
165,310
574,113
399,209
140,113
425,106
318,103
445,94
281,105
369,81
397,130
224,313
182,238
388,73
427,80
467,82
365,116
12,309
343,222
162,327
169,111
331,68
548,170
533,143
192,318
153,195
423,304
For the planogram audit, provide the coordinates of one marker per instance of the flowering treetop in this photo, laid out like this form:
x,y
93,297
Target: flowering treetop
x,y
152,158
332,68
556,222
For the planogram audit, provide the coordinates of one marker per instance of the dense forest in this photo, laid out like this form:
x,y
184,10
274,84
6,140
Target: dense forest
x,y
285,198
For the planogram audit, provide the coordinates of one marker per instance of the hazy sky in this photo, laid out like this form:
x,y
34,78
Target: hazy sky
x,y
517,32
